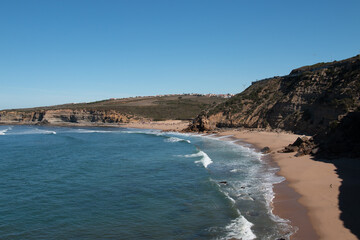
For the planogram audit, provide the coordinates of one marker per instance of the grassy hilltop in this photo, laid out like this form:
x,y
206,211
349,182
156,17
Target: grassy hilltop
x,y
179,107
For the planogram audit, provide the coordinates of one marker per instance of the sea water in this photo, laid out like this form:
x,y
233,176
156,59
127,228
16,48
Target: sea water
x,y
118,183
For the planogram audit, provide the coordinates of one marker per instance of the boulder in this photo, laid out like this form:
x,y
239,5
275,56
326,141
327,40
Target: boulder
x,y
302,145
265,150
300,140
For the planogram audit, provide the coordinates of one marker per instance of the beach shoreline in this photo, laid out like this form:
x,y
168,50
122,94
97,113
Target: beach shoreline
x,y
308,198
286,200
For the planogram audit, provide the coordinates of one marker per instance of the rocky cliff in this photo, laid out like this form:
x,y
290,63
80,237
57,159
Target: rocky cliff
x,y
122,110
341,140
309,100
62,116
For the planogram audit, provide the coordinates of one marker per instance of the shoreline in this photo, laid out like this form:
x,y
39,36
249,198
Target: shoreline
x,y
309,197
285,202
166,125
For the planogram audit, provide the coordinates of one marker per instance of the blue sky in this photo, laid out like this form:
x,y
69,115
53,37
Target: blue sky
x,y
54,52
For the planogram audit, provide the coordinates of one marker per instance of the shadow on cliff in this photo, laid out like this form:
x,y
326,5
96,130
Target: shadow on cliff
x,y
348,171
341,146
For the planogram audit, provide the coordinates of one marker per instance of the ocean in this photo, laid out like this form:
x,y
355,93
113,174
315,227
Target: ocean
x,y
119,183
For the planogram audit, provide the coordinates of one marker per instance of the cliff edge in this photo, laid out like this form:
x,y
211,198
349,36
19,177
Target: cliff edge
x,y
313,100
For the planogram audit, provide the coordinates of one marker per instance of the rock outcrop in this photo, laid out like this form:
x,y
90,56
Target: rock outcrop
x,y
156,108
342,139
322,100
306,101
62,116
302,145
199,124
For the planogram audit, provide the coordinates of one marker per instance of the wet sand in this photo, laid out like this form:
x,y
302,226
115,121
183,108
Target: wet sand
x,y
312,201
309,197
168,125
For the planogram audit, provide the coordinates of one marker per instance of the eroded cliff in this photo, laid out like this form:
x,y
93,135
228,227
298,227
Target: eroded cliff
x,y
62,116
113,111
307,101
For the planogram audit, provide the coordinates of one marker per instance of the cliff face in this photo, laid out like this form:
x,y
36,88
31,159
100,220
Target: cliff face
x,y
62,116
342,139
307,101
164,107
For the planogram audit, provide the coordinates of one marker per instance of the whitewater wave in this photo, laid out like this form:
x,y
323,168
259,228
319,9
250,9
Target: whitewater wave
x,y
3,132
226,136
210,135
26,132
92,131
205,159
258,186
175,139
147,132
240,228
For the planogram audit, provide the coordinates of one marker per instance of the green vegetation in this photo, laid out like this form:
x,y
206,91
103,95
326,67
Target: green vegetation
x,y
181,107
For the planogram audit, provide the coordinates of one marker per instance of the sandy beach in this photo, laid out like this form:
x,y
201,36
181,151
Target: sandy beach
x,y
309,197
316,183
168,125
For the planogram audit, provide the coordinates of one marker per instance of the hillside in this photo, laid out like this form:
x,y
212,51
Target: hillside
x,y
180,107
309,100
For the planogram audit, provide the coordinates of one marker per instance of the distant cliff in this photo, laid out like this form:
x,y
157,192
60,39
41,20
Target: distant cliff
x,y
62,116
308,100
114,111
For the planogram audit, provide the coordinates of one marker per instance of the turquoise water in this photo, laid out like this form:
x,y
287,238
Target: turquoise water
x,y
112,183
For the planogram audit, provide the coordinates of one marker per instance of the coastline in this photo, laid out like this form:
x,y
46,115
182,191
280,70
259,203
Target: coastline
x,y
309,197
316,184
286,200
166,125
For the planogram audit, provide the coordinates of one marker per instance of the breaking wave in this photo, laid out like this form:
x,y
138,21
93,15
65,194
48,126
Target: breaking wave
x,y
3,131
175,139
205,159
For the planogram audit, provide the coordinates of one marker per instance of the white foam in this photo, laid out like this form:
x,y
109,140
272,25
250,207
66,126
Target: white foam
x,y
3,132
230,198
39,131
246,197
29,131
240,228
226,136
92,131
148,132
205,159
210,135
260,181
175,139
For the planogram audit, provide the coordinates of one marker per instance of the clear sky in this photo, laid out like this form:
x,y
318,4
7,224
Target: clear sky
x,y
61,51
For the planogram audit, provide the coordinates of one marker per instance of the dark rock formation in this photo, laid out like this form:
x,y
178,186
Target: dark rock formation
x,y
302,145
265,150
199,124
342,139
